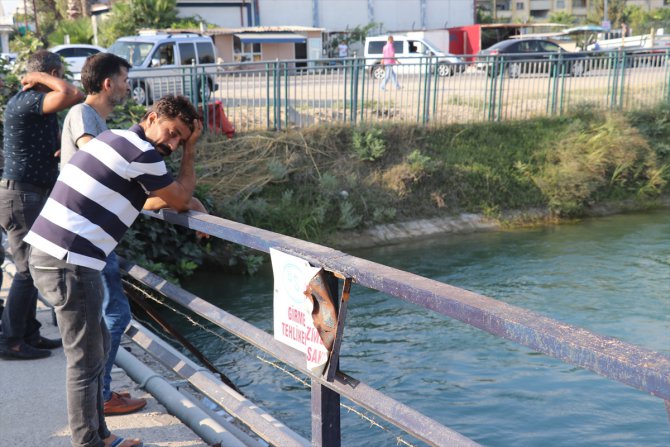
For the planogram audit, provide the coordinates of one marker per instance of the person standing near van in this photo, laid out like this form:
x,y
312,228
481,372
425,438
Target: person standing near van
x,y
389,61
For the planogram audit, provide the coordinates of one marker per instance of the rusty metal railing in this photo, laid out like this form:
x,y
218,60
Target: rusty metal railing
x,y
645,370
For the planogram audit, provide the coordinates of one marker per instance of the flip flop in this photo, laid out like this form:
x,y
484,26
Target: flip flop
x,y
118,441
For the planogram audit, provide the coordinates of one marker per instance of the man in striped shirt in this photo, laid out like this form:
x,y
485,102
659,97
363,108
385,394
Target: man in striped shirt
x,y
97,196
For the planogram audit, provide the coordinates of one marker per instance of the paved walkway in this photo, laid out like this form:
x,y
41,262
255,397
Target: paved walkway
x,y
33,405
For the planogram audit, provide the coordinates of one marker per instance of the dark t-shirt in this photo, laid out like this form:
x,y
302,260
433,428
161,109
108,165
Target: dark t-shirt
x,y
30,141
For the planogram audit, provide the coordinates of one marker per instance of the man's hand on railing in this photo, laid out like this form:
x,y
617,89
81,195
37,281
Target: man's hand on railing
x,y
155,203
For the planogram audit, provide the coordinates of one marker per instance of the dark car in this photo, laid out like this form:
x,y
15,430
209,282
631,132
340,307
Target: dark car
x,y
514,57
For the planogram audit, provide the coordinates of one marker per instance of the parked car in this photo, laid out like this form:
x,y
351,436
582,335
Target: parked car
x,y
8,58
75,55
182,64
530,56
412,54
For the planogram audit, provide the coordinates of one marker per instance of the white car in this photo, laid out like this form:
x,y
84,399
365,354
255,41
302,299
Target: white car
x,y
75,55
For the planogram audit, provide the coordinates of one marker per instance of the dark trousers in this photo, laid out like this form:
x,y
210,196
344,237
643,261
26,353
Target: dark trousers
x,y
18,211
76,293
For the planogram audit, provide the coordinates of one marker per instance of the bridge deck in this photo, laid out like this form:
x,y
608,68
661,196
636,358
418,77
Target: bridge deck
x,y
33,405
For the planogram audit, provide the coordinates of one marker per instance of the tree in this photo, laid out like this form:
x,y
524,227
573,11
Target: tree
x,y
128,16
615,12
642,21
79,31
153,13
562,17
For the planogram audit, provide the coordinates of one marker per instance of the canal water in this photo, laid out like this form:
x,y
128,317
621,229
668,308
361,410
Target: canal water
x,y
610,275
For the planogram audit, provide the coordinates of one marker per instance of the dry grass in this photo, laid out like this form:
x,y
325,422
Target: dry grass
x,y
247,163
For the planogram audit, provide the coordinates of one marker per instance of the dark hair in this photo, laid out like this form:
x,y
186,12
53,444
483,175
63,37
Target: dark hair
x,y
172,107
43,61
99,67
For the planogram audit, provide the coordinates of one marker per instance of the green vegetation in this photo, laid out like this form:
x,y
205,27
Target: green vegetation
x,y
317,182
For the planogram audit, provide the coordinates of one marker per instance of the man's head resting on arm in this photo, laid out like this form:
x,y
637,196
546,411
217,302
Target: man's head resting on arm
x,y
169,123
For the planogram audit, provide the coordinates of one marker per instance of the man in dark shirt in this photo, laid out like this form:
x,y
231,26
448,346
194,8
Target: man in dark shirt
x,y
31,141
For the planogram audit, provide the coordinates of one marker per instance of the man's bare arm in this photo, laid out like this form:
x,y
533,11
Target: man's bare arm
x,y
179,193
62,94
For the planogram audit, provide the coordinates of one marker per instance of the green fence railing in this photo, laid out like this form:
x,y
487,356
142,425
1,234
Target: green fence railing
x,y
301,93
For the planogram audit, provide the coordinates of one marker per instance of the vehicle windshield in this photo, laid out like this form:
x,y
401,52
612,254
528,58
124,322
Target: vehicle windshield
x,y
432,47
134,52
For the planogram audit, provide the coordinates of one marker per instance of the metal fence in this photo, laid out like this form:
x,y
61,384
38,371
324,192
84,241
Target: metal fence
x,y
284,94
631,365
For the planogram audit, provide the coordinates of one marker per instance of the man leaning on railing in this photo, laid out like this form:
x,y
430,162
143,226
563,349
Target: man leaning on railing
x,y
97,196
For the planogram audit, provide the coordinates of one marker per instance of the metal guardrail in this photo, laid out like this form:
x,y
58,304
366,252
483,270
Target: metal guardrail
x,y
300,93
631,365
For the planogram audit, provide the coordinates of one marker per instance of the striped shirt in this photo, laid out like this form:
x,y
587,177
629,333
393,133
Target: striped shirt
x,y
97,197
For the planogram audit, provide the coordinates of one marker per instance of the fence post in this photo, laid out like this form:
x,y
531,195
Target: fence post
x,y
277,96
286,90
354,90
267,94
499,98
365,72
428,69
554,72
326,427
622,84
436,80
615,57
493,70
666,64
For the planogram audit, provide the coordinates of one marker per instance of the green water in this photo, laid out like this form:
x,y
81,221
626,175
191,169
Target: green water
x,y
609,275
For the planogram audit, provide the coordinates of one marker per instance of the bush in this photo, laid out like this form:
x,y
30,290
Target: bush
x,y
608,160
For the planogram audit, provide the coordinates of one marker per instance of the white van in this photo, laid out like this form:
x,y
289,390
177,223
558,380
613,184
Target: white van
x,y
412,53
180,64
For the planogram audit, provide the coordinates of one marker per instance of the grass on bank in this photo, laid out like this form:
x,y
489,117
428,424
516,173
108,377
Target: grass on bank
x,y
317,182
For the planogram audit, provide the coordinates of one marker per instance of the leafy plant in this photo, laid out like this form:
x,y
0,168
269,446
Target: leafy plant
x,y
419,162
369,145
78,30
601,160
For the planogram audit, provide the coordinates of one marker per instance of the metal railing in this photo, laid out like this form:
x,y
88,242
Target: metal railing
x,y
299,93
628,364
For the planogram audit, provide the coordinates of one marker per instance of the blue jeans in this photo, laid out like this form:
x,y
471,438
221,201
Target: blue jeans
x,y
18,211
76,294
116,311
389,74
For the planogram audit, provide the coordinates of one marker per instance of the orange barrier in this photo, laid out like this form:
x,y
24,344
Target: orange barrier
x,y
217,121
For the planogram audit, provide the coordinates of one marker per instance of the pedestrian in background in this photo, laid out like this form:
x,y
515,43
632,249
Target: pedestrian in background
x,y
343,49
389,61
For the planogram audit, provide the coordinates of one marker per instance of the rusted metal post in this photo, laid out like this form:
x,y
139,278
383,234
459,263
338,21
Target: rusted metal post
x,y
326,402
334,362
325,416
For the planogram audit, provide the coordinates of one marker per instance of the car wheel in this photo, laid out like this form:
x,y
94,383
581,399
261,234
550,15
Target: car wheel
x,y
445,70
378,72
577,68
514,70
139,93
205,92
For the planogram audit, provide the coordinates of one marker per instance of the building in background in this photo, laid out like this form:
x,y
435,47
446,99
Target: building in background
x,y
333,15
6,26
539,10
